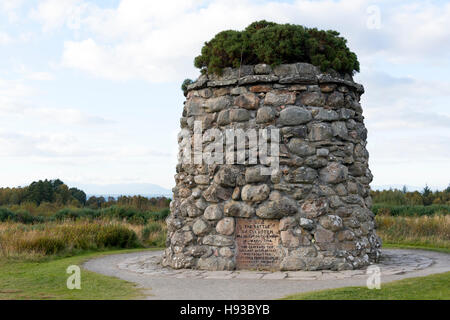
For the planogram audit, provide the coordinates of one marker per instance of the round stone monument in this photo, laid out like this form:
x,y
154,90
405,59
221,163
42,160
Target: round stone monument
x,y
303,203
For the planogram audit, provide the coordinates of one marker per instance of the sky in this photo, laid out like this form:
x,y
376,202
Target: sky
x,y
90,90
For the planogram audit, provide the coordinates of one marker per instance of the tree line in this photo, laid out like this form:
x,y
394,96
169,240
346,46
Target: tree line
x,y
49,196
426,197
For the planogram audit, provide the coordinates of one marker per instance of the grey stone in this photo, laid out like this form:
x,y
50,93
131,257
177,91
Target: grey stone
x,y
182,238
323,236
357,169
274,99
326,115
226,252
254,175
215,263
284,70
276,208
195,106
223,118
306,224
316,162
226,176
201,179
303,175
315,99
200,227
257,79
293,115
289,240
215,193
247,100
238,90
296,132
313,208
265,114
345,235
239,115
292,263
238,209
225,226
217,104
263,69
334,173
174,223
217,240
255,193
332,222
346,114
339,129
188,208
320,131
213,212
300,147
322,152
335,100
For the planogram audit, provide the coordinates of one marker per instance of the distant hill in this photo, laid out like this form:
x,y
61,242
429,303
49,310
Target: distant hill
x,y
124,189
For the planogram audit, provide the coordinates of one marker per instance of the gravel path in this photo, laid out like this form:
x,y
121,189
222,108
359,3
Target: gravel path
x,y
143,269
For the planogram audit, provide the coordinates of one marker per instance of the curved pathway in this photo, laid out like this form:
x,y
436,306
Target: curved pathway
x,y
143,268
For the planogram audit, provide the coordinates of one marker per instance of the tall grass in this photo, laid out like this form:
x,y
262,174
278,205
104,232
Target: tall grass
x,y
425,230
70,237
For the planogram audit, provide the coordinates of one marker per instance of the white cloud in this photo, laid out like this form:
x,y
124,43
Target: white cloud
x,y
157,41
16,100
10,7
53,14
40,76
26,73
4,38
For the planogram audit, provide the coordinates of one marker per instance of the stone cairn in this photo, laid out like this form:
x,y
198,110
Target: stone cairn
x,y
318,198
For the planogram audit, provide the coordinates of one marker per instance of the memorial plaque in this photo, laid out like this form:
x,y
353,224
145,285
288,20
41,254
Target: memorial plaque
x,y
257,244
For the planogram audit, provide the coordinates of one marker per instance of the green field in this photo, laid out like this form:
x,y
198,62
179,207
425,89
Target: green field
x,y
46,280
434,287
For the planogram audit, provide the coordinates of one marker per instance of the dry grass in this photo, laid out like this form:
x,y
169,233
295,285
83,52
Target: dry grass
x,y
425,230
69,237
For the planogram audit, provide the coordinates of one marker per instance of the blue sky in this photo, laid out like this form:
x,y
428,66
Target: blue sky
x,y
90,90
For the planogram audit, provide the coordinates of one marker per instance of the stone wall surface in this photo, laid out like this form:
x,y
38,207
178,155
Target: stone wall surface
x,y
320,193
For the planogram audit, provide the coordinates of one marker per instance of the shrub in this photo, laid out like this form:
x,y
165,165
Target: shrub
x,y
274,44
160,215
45,245
154,234
20,216
184,86
393,210
116,236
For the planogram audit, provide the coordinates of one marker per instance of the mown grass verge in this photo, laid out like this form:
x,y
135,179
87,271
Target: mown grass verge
x,y
46,280
389,245
434,287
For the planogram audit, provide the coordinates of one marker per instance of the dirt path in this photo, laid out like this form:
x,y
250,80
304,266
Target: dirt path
x,y
161,283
